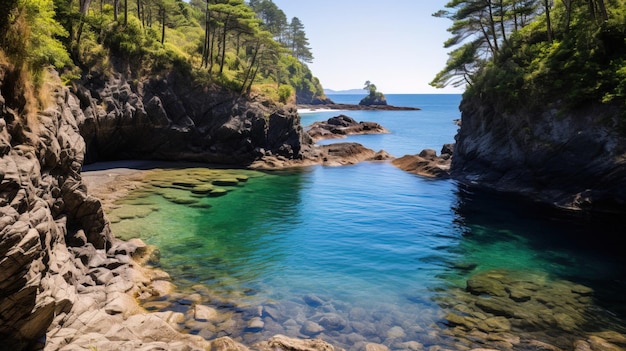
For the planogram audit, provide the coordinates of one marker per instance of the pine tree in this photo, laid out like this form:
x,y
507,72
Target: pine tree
x,y
298,42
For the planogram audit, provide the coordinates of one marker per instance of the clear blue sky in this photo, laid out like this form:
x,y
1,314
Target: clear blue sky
x,y
395,44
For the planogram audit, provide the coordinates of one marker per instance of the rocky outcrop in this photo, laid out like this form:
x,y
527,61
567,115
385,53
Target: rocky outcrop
x,y
49,224
574,160
336,154
173,118
376,99
342,126
427,163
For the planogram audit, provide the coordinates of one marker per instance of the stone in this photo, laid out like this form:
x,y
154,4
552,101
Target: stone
x,y
613,337
332,321
599,344
204,313
311,328
312,300
375,347
495,324
284,343
483,284
226,344
412,345
396,333
255,324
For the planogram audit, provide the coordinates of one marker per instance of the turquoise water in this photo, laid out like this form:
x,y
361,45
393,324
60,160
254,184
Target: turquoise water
x,y
378,248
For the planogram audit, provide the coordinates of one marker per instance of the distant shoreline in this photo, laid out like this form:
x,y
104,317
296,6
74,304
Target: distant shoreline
x,y
353,107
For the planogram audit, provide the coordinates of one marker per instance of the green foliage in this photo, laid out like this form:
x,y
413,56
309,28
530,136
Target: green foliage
x,y
573,55
285,92
31,36
222,41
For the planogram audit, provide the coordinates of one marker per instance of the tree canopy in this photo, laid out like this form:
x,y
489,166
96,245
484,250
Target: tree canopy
x,y
527,52
241,46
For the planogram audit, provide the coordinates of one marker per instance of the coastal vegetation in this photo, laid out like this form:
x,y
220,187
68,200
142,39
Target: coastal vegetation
x,y
247,48
525,54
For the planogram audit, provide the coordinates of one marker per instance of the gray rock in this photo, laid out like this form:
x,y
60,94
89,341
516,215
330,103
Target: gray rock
x,y
332,321
311,328
313,300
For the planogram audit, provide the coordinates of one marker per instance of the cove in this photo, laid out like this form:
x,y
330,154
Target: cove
x,y
370,254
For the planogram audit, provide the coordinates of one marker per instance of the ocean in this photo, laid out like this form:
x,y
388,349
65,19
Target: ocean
x,y
371,254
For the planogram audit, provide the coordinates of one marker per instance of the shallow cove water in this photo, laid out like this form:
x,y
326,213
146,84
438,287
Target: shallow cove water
x,y
371,254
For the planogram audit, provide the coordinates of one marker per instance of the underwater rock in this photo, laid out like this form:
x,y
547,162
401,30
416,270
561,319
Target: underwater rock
x,y
311,328
313,300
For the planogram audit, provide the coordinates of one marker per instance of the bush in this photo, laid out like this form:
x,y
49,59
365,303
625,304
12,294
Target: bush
x,y
285,92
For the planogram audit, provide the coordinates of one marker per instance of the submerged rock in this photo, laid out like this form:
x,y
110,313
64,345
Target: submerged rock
x,y
500,307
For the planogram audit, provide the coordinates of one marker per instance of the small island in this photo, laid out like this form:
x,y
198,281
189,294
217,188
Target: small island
x,y
375,98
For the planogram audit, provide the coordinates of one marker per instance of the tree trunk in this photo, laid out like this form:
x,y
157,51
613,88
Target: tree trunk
x,y
139,12
502,30
252,63
602,8
224,43
162,26
205,47
548,22
568,14
84,10
492,27
125,12
116,4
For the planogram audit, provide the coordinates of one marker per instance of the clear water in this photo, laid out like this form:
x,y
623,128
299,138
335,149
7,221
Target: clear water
x,y
376,244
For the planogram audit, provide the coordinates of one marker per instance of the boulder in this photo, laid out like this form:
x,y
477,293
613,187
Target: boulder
x,y
426,163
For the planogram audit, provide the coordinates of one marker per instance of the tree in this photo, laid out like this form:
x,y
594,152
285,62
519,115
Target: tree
x,y
298,42
374,97
479,31
274,19
369,86
232,16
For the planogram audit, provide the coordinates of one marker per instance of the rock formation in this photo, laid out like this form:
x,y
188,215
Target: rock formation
x,y
50,226
374,100
573,160
427,163
172,118
65,281
342,126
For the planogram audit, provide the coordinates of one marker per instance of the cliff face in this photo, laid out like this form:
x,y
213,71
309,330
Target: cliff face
x,y
572,160
62,274
173,118
46,215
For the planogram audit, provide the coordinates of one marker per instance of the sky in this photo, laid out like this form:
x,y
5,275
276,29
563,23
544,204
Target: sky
x,y
395,44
